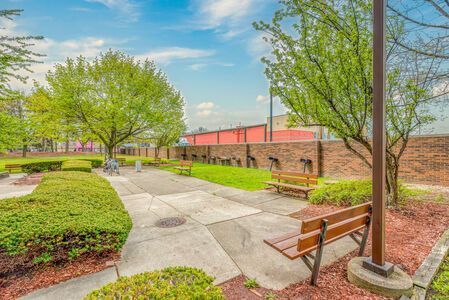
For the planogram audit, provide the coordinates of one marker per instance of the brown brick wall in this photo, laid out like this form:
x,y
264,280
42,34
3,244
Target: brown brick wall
x,y
426,159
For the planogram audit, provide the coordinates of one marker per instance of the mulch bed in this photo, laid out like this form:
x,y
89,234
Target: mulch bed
x,y
21,284
32,179
411,233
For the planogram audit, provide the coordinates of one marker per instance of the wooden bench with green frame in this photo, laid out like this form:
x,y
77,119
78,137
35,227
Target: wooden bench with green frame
x,y
316,232
295,177
185,165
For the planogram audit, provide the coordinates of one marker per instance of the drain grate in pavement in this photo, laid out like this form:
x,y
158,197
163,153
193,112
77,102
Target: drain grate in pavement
x,y
170,222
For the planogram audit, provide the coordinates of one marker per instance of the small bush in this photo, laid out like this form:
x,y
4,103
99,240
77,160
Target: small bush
x,y
68,214
96,163
345,193
169,283
42,166
77,165
354,192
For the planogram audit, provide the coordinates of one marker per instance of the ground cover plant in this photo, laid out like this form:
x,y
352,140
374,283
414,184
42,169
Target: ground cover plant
x,y
439,288
69,214
354,192
77,165
169,283
243,178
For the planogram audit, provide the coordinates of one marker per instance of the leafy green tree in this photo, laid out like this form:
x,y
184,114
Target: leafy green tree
x,y
321,69
167,132
15,56
114,96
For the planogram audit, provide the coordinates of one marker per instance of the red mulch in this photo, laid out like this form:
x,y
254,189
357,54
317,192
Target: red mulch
x,y
32,179
20,285
411,233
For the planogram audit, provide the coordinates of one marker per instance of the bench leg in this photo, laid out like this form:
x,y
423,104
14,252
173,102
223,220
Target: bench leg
x,y
319,253
365,232
277,187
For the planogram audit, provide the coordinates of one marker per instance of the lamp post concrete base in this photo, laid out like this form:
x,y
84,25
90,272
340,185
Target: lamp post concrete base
x,y
395,285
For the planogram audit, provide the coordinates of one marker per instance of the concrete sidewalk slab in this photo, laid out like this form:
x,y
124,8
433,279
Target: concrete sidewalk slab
x,y
254,198
76,288
283,205
194,248
243,239
206,208
160,186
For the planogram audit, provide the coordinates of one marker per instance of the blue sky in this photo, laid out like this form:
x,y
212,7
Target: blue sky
x,y
208,48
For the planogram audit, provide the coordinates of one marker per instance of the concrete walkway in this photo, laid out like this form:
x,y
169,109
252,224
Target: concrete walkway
x,y
8,190
223,233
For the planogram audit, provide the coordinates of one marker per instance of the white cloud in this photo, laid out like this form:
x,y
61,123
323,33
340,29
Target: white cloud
x,y
229,18
196,67
204,113
55,51
206,105
126,8
263,99
168,55
257,47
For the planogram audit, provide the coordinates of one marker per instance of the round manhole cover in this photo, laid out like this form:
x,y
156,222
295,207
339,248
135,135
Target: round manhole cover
x,y
170,222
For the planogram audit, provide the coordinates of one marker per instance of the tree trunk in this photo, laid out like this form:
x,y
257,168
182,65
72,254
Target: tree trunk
x,y
156,152
24,150
67,146
110,151
392,184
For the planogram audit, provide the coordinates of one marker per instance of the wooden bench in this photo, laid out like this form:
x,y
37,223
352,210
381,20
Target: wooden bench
x,y
11,167
155,162
185,165
121,160
322,230
295,177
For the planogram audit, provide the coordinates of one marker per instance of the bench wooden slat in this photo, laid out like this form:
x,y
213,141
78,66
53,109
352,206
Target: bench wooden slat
x,y
181,168
295,179
294,173
334,217
311,239
293,253
292,186
277,239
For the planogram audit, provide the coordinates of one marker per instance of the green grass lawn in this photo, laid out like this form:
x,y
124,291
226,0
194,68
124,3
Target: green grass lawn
x,y
242,178
26,160
439,289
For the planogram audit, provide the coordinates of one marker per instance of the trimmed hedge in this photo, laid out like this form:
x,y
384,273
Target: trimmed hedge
x,y
42,166
169,283
77,165
54,165
68,214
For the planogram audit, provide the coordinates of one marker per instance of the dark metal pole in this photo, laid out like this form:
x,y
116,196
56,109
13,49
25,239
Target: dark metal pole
x,y
271,117
378,249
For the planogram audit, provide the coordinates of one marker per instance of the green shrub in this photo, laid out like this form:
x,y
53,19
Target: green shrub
x,y
96,163
169,283
440,284
345,193
42,166
354,192
67,214
77,165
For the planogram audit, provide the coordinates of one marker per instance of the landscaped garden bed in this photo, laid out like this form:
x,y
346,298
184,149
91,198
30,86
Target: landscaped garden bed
x,y
69,217
76,165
